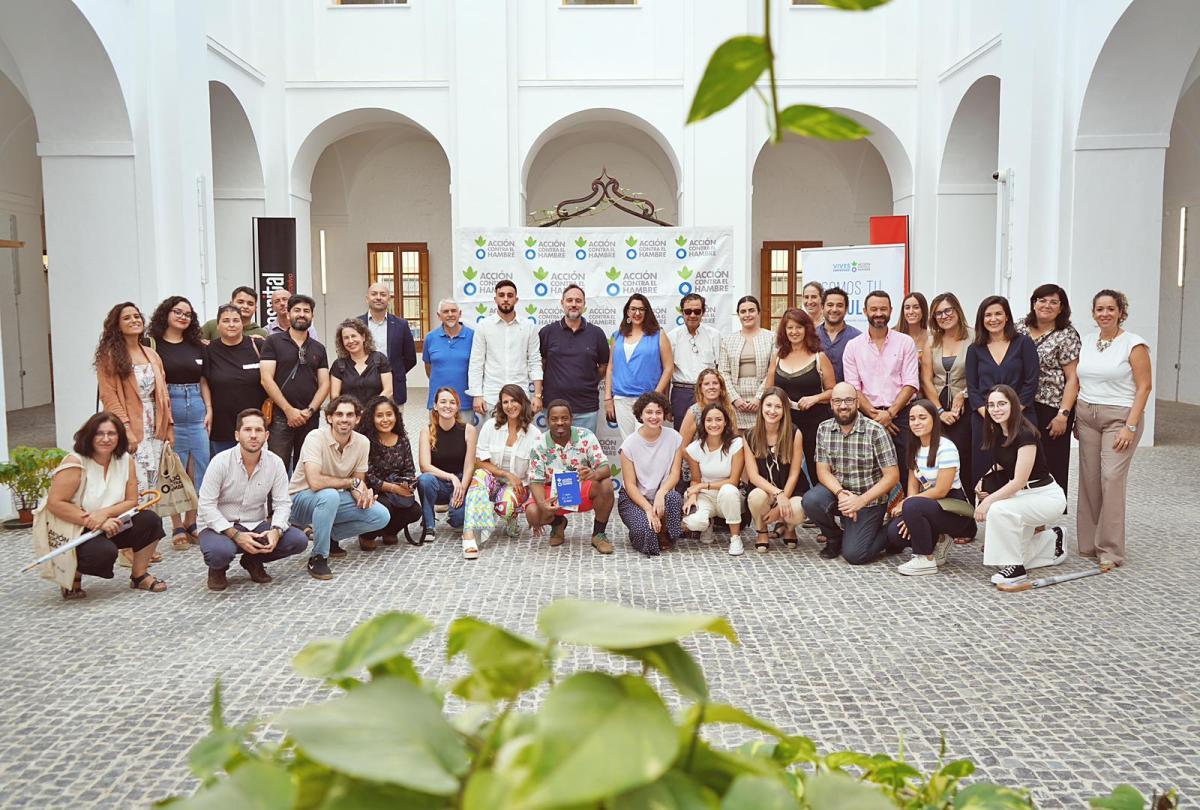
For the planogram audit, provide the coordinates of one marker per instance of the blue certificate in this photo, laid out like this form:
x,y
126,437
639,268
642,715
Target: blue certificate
x,y
566,485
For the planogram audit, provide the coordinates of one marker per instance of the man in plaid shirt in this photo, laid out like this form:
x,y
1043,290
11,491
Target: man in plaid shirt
x,y
856,471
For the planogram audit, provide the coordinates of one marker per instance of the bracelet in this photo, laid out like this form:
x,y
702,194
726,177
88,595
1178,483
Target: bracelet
x,y
941,411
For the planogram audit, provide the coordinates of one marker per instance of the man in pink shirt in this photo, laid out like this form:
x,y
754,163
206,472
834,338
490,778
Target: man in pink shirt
x,y
881,364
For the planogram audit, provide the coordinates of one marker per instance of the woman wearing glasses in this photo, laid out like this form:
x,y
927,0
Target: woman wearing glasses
x,y
641,361
175,335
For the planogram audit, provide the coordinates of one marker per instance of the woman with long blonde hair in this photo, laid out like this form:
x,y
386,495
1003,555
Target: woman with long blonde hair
x,y
447,459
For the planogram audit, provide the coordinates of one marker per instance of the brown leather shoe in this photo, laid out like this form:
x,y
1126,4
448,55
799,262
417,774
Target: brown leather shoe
x,y
558,533
217,580
367,544
390,540
256,571
601,544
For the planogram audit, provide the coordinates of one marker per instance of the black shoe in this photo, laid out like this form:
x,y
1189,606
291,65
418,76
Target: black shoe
x,y
335,550
318,568
1058,542
426,536
832,550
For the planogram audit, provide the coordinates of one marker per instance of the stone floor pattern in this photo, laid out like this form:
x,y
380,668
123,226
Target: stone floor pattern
x,y
1068,690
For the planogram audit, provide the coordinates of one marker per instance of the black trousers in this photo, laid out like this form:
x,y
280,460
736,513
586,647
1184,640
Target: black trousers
x,y
960,434
926,520
402,515
286,442
97,556
1058,451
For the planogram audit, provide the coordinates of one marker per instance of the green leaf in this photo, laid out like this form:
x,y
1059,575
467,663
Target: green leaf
x,y
986,796
685,273
681,240
254,786
485,791
346,793
718,769
832,791
387,731
531,309
673,661
470,273
790,748
613,274
218,751
818,122
1123,797
958,769
479,240
597,736
540,274
758,793
481,308
580,242
674,791
216,712
843,759
631,240
617,627
855,5
371,643
733,69
530,241
504,664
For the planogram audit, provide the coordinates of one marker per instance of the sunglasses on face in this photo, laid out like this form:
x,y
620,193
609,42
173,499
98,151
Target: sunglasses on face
x,y
693,312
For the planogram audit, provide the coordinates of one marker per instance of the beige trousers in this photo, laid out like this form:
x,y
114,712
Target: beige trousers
x,y
760,503
1103,473
726,502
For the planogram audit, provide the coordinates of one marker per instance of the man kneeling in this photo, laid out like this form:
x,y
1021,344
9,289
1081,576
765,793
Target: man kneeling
x,y
569,449
245,506
327,488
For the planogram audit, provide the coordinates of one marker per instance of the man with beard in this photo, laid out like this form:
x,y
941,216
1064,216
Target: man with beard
x,y
295,374
834,332
856,471
575,354
882,367
392,336
239,485
566,448
246,301
279,299
505,350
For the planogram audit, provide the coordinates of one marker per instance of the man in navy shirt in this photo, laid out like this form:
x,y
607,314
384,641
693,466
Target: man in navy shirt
x,y
574,357
835,333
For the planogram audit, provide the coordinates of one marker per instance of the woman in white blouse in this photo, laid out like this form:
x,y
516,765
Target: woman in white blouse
x,y
499,488
1114,385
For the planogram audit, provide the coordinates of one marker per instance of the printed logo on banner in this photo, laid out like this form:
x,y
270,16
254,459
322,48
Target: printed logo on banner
x,y
548,249
613,288
632,253
696,247
681,247
635,281
530,247
851,267
655,249
496,248
710,282
598,248
540,288
685,286
531,312
470,288
480,312
480,251
581,248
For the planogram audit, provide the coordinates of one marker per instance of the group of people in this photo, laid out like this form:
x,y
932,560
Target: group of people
x,y
903,436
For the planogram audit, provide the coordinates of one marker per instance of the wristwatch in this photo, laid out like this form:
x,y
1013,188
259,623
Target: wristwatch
x,y
1131,428
1063,412
354,482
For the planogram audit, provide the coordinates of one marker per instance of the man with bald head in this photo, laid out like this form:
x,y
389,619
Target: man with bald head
x,y
856,473
392,337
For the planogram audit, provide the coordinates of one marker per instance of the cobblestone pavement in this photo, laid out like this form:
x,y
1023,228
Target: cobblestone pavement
x,y
1069,690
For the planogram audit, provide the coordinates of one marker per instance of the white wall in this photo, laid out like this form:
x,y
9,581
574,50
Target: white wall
x,y
238,190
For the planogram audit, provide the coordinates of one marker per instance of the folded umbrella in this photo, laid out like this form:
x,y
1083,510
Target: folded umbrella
x,y
150,497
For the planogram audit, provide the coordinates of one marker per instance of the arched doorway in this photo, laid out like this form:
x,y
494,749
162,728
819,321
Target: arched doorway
x,y
237,189
967,197
568,155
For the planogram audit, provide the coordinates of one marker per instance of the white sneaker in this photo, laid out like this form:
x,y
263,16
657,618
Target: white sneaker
x,y
706,536
941,550
918,566
735,545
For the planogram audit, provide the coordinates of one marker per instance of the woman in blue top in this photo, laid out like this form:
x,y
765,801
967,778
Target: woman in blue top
x,y
641,361
1000,355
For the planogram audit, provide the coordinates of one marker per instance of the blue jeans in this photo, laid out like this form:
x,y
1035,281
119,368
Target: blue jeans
x,y
219,550
333,514
434,490
862,539
191,439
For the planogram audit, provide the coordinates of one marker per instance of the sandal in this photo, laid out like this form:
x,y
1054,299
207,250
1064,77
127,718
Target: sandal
x,y
470,550
193,534
76,590
762,546
180,538
155,585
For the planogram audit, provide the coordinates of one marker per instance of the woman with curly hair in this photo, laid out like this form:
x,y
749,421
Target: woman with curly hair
x,y
360,371
175,334
390,472
499,488
133,386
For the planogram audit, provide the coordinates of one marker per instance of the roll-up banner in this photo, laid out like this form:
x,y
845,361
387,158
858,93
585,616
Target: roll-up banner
x,y
858,269
274,261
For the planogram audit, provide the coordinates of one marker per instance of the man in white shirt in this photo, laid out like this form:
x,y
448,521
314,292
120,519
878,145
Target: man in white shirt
x,y
505,350
695,346
238,488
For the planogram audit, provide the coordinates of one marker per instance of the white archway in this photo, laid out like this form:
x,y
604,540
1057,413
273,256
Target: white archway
x,y
569,154
967,197
238,190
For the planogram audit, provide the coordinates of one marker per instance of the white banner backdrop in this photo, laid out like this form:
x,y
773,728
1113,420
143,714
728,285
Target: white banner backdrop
x,y
858,269
664,264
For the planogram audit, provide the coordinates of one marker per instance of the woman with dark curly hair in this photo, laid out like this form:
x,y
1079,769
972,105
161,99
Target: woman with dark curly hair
x,y
175,334
133,386
360,371
649,505
390,472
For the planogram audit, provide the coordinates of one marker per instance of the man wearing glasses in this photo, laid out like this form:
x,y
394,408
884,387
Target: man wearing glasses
x,y
294,370
574,358
856,470
695,346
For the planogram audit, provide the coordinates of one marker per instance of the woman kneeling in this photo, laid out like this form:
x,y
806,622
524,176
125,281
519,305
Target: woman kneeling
x,y
715,460
774,456
91,488
649,505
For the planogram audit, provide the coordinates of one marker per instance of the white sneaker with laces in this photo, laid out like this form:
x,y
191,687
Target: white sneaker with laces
x,y
941,550
735,545
918,566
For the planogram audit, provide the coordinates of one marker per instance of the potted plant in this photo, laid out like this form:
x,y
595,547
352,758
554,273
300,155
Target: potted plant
x,y
27,476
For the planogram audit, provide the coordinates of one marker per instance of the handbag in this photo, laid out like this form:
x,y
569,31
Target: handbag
x,y
178,492
957,506
268,406
51,531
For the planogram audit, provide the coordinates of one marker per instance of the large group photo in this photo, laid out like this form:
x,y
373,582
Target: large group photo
x,y
744,427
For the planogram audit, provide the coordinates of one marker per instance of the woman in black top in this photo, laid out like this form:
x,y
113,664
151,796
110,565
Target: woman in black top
x,y
232,370
175,334
806,376
774,455
360,371
447,461
390,472
1018,495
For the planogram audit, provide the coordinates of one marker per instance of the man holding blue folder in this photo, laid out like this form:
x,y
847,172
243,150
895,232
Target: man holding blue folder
x,y
568,472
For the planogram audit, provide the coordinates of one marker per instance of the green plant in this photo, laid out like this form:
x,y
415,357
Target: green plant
x,y
735,67
27,473
597,740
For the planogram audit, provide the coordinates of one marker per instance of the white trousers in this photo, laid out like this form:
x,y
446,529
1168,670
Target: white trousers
x,y
1009,538
626,422
726,502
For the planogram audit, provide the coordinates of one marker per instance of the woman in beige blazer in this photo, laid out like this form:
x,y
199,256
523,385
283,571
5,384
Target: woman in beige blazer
x,y
745,358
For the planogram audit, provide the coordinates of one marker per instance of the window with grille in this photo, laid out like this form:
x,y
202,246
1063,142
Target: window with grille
x,y
404,268
781,280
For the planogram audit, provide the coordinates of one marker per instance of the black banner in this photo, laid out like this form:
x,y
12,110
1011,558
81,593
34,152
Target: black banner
x,y
275,261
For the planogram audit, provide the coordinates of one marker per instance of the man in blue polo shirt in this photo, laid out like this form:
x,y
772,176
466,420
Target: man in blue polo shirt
x,y
574,356
834,332
447,353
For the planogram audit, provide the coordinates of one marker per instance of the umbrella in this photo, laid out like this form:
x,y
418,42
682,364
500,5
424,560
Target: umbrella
x,y
151,497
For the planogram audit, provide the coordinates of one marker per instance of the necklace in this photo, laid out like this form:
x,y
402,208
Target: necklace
x,y
1104,343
